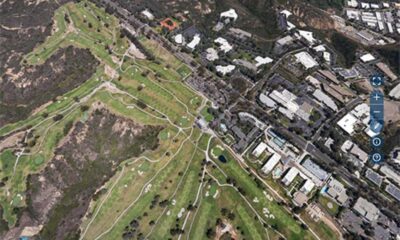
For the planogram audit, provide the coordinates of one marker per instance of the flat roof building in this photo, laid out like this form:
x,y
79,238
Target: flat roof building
x,y
347,123
336,191
271,163
259,149
223,44
367,58
366,209
289,176
390,173
393,191
395,92
386,70
212,54
195,41
315,170
225,69
306,60
307,186
325,99
374,177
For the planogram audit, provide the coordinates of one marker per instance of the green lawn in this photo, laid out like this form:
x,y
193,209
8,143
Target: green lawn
x,y
329,205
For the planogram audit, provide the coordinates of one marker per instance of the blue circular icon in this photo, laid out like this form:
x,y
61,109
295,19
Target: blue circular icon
x,y
376,80
376,141
376,157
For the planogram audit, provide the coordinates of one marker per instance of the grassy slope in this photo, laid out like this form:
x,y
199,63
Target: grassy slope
x,y
173,177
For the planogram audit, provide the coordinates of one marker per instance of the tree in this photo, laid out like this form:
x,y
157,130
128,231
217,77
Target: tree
x,y
67,127
210,233
84,108
58,117
231,216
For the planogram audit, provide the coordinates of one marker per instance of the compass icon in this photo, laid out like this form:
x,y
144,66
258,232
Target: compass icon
x,y
376,80
376,157
376,141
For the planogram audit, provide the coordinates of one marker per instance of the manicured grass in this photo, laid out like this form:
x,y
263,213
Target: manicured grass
x,y
283,221
184,70
329,205
247,219
322,230
207,116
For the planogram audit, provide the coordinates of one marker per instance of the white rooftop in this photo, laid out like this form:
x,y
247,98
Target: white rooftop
x,y
367,57
262,60
224,44
195,41
395,92
179,39
286,12
347,145
271,163
267,101
347,123
306,60
307,186
148,14
259,149
352,3
231,13
322,97
320,48
308,36
225,69
289,177
365,5
212,54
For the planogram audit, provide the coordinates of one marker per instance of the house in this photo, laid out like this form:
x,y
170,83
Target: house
x,y
211,54
179,39
262,60
230,14
225,69
223,44
195,41
366,209
148,14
